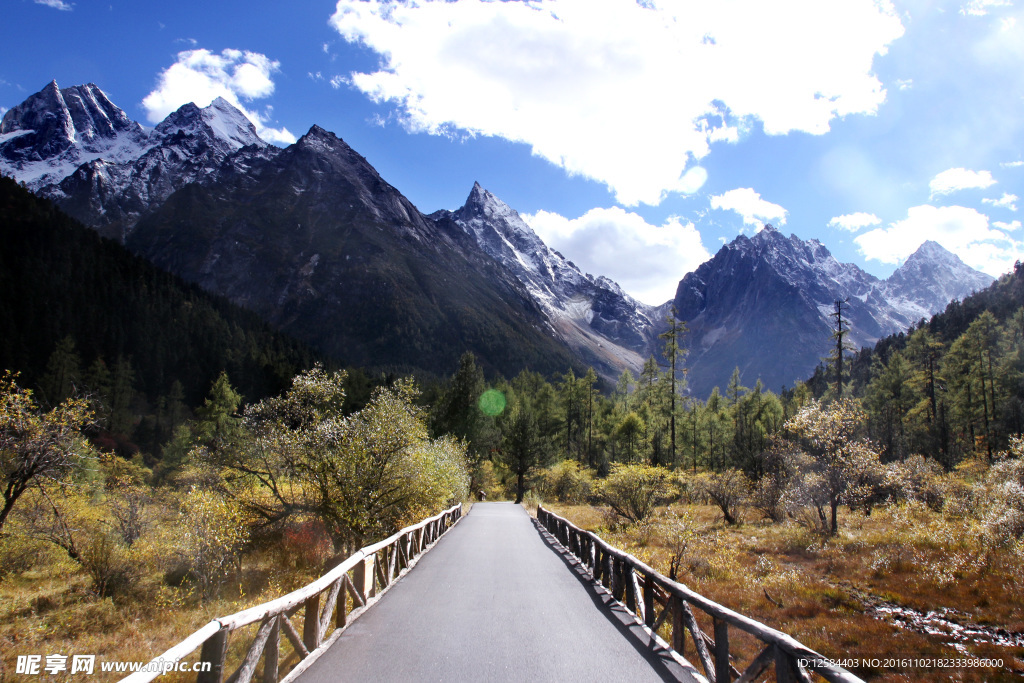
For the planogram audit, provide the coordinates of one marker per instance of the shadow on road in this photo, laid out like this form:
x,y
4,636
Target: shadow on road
x,y
660,659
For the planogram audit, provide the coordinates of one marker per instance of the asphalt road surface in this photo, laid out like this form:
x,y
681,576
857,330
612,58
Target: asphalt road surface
x,y
495,601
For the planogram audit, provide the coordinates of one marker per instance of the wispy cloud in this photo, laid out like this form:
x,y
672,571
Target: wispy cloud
x,y
201,76
979,8
956,179
749,205
1007,201
854,221
628,93
962,230
611,242
57,4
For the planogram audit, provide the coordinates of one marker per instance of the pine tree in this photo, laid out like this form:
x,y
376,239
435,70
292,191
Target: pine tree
x,y
588,382
672,351
216,419
121,395
523,450
63,372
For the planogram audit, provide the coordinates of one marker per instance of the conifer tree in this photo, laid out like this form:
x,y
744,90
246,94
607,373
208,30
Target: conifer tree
x,y
522,449
674,355
121,395
63,372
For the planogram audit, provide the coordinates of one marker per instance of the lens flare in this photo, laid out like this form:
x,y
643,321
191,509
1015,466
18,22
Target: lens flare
x,y
492,402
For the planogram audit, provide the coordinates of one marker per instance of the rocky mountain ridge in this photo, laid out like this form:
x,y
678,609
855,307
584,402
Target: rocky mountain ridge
x,y
763,304
46,137
593,315
312,238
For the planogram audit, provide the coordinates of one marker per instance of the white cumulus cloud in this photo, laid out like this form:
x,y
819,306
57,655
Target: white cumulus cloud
x,y
1007,201
201,76
962,230
748,204
956,179
854,221
646,260
628,93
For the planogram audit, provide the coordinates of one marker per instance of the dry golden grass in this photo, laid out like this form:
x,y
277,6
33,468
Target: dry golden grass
x,y
908,555
54,611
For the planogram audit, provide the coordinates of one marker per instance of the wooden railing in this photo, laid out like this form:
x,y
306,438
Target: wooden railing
x,y
656,600
364,577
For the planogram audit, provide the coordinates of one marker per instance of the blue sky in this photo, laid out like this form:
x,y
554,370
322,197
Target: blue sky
x,y
635,137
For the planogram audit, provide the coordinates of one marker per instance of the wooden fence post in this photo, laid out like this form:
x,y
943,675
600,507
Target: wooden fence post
x,y
722,673
649,600
271,655
214,650
678,625
311,623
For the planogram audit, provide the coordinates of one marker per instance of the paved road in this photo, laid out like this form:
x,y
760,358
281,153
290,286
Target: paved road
x,y
494,601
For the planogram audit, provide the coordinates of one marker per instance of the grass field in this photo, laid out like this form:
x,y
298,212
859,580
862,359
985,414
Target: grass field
x,y
832,594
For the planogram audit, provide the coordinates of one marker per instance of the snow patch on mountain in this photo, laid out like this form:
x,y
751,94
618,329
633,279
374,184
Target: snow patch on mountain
x,y
46,137
592,314
765,304
76,147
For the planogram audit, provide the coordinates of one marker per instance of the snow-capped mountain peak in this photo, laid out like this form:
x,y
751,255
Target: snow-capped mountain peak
x,y
929,279
764,304
46,137
74,146
591,314
220,121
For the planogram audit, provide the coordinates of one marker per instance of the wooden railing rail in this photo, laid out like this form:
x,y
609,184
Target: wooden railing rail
x,y
656,600
364,576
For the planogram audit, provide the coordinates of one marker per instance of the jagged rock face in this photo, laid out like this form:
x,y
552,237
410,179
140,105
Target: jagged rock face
x,y
47,136
192,145
604,325
75,147
929,279
763,304
315,241
311,237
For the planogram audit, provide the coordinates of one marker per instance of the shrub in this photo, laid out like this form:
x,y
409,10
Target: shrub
x,y
212,535
113,568
916,478
1004,522
488,479
20,553
567,482
364,475
728,490
305,544
633,491
531,499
